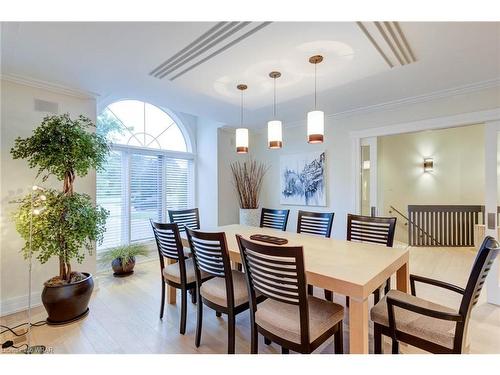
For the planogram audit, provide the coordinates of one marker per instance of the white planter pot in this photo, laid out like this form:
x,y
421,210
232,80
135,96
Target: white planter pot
x,y
250,216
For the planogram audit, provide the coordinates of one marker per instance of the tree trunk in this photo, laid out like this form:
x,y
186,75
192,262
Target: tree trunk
x,y
64,265
69,178
62,268
68,271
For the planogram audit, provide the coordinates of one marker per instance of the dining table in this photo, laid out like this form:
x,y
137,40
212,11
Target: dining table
x,y
353,269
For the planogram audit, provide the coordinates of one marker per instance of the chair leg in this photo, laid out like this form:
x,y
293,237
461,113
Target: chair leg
x,y
230,333
193,296
285,350
387,286
239,267
218,314
395,346
199,321
376,296
310,289
329,295
267,341
339,339
377,339
162,306
183,310
254,344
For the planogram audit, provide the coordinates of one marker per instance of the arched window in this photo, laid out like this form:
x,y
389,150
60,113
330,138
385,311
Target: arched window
x,y
140,124
149,170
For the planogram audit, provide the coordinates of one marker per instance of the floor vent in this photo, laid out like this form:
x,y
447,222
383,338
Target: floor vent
x,y
214,41
389,41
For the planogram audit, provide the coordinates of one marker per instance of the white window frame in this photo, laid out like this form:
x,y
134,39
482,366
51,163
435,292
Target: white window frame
x,y
127,151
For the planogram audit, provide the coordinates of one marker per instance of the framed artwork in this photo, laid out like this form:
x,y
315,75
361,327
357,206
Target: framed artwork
x,y
302,179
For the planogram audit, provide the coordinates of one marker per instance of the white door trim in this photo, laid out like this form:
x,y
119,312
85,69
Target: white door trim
x,y
461,119
491,118
491,133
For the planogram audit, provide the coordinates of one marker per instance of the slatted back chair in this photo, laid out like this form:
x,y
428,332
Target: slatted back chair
x,y
275,219
277,273
488,251
210,253
379,230
318,223
185,218
168,241
179,274
427,325
225,292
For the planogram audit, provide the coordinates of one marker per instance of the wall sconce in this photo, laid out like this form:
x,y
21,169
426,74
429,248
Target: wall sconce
x,y
428,165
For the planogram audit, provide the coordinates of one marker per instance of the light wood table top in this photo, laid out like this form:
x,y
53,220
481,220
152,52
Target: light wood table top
x,y
349,268
353,269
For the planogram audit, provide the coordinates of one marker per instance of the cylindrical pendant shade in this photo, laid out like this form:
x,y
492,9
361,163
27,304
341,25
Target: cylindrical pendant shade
x,y
315,126
241,140
274,134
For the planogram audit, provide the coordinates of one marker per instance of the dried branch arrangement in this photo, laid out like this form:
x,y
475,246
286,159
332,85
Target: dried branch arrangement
x,y
247,179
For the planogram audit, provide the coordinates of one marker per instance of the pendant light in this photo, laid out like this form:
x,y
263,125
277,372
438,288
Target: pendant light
x,y
241,132
315,118
274,130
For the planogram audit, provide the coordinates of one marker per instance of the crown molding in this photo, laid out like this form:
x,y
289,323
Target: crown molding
x,y
398,103
446,93
53,87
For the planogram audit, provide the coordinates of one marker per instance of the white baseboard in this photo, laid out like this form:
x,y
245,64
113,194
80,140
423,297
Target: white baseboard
x,y
17,304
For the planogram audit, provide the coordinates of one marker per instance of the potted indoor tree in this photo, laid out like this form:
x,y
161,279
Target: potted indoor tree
x,y
70,224
247,179
122,258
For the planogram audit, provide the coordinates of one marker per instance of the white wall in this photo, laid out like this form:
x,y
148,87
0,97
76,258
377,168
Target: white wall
x,y
457,178
228,204
18,119
340,194
207,172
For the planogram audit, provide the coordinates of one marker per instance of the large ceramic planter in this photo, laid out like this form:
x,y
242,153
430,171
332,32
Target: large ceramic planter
x,y
250,216
68,303
121,270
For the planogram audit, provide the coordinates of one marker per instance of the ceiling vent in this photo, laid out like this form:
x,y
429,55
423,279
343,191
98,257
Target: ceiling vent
x,y
45,106
389,41
214,41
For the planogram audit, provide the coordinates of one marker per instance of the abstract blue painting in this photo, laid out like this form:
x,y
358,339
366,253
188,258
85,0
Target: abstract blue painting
x,y
302,179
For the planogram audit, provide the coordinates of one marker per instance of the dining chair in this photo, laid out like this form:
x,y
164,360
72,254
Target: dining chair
x,y
274,219
427,325
320,224
226,292
181,274
378,230
189,218
288,316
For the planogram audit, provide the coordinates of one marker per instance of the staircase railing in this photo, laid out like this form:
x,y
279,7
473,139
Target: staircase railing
x,y
447,225
420,230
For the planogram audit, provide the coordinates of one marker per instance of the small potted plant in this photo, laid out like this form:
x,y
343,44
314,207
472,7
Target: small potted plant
x,y
122,258
247,179
70,223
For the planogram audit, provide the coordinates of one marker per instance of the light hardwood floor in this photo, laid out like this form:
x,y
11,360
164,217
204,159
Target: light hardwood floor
x,y
124,315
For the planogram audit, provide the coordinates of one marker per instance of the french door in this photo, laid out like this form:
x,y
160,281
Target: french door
x,y
367,194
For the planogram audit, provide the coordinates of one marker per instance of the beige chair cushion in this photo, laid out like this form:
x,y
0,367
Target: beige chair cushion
x,y
438,331
214,290
172,272
283,320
